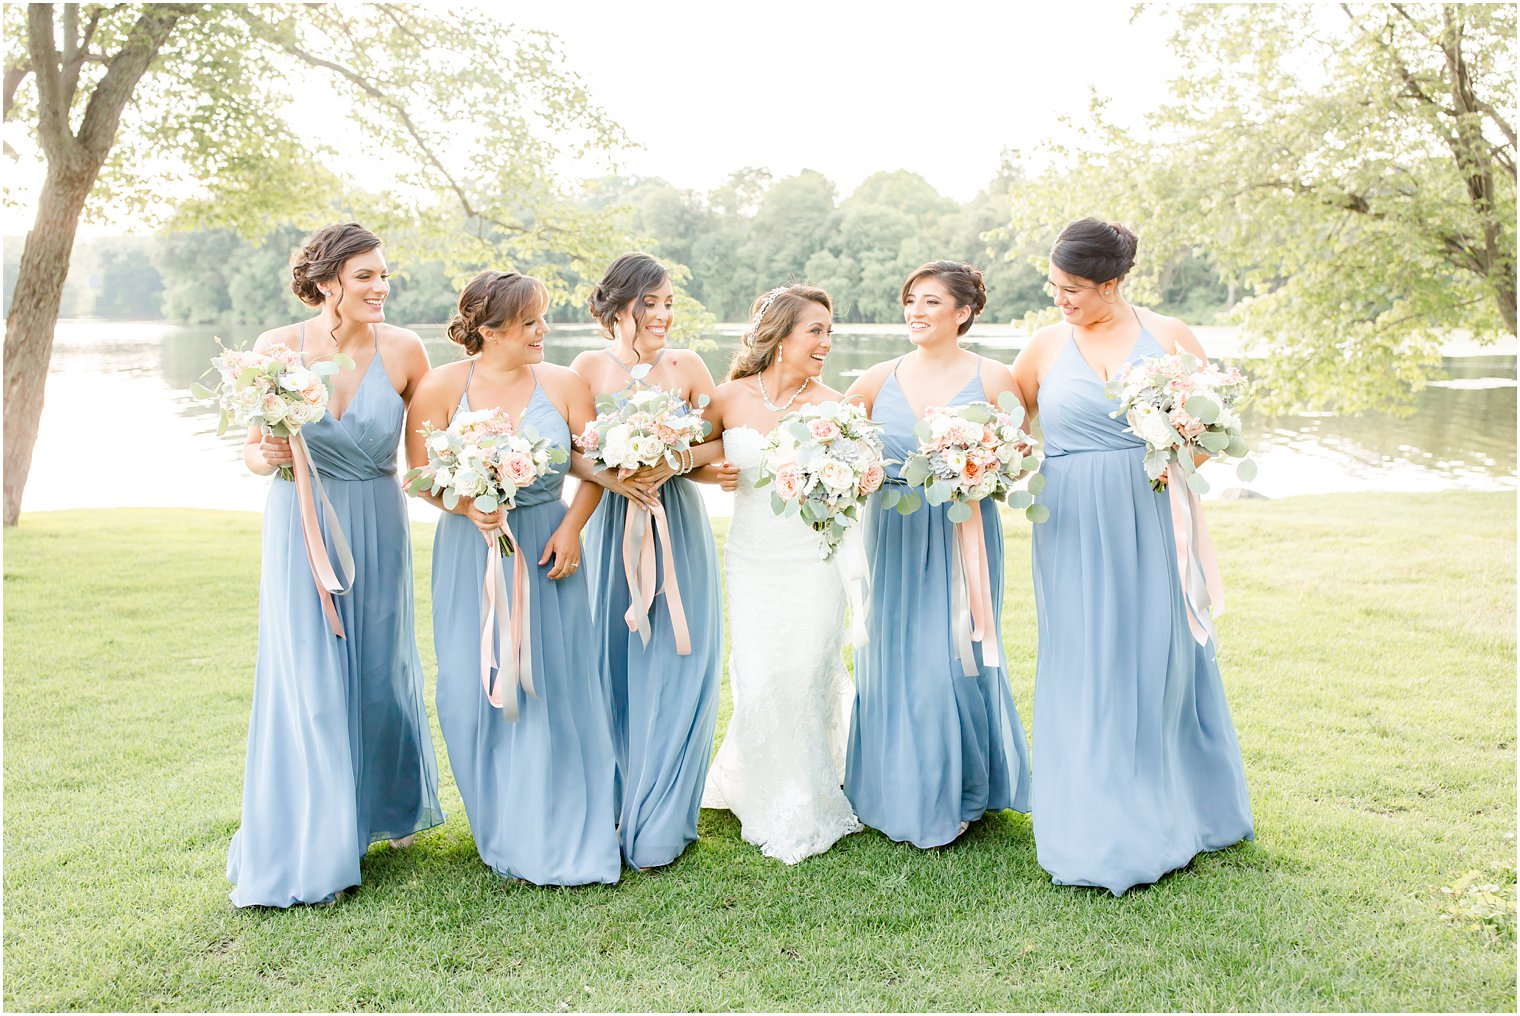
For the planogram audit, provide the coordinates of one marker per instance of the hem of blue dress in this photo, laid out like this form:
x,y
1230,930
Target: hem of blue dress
x,y
673,858
428,823
507,874
1250,835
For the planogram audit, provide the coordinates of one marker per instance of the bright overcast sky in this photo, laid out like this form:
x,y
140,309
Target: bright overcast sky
x,y
851,88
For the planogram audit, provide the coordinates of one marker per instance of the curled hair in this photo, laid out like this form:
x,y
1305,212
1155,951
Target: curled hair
x,y
625,281
962,280
321,258
773,316
489,301
1095,250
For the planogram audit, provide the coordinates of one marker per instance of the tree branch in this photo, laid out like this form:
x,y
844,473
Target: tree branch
x,y
77,51
109,97
52,108
288,43
13,78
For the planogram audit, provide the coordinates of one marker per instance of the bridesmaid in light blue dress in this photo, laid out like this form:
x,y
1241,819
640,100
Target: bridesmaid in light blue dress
x,y
1137,768
665,706
538,790
339,750
931,749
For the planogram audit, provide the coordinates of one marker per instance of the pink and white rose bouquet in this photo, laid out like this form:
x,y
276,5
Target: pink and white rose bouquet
x,y
642,428
967,453
273,390
480,455
1180,408
823,462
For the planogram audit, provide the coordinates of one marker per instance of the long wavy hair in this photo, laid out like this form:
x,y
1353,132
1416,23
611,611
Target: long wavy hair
x,y
772,318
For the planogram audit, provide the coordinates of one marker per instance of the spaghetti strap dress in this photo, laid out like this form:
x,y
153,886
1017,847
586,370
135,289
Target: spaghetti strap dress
x,y
664,706
538,790
1137,767
929,748
340,753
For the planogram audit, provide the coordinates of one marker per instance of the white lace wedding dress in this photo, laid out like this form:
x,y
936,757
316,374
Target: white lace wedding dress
x,y
782,760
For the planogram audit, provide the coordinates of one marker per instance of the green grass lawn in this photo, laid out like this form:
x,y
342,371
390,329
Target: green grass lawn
x,y
1369,655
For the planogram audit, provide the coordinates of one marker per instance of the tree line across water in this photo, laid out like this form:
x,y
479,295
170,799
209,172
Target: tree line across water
x,y
737,240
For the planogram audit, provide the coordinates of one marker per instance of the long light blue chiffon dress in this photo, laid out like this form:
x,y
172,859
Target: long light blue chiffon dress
x,y
538,790
1136,766
664,706
930,748
339,750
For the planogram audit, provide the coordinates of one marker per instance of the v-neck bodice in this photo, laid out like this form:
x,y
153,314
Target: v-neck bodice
x,y
539,420
892,411
1074,402
362,444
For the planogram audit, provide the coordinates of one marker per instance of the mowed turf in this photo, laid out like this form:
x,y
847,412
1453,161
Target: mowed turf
x,y
1369,656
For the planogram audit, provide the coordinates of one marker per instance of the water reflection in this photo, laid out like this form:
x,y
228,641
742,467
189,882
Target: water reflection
x,y
109,377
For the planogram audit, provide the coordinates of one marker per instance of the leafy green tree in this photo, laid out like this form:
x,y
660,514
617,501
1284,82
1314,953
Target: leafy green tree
x,y
1349,171
791,225
476,112
128,287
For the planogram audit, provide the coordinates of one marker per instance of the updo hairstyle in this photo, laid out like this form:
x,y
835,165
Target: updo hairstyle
x,y
321,257
1095,250
490,301
772,318
626,280
962,280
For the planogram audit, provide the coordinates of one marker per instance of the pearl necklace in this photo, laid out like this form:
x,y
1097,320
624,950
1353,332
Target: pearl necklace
x,y
765,396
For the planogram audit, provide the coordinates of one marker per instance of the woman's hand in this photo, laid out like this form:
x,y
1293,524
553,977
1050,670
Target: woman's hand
x,y
275,451
725,474
486,522
654,477
625,483
565,548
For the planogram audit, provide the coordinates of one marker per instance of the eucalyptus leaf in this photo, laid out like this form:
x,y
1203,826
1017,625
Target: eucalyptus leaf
x,y
1197,484
1019,499
958,512
1214,441
908,503
486,503
1036,483
1037,513
1205,409
200,391
451,499
1246,471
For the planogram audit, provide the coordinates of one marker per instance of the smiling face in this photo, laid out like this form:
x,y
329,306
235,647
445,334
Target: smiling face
x,y
648,318
522,336
931,313
807,345
361,287
1081,301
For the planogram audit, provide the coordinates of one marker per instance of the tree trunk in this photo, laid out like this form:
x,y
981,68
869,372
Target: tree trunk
x,y
33,316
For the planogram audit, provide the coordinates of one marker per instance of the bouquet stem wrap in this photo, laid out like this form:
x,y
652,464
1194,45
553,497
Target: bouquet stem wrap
x,y
971,613
308,491
1202,585
639,565
855,573
507,623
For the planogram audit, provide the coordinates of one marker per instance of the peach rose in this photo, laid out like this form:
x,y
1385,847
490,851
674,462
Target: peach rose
x,y
789,483
517,469
823,430
871,479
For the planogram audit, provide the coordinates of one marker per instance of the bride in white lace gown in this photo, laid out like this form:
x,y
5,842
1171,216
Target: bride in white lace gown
x,y
781,762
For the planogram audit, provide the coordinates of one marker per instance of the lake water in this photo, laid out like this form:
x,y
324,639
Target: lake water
x,y
124,387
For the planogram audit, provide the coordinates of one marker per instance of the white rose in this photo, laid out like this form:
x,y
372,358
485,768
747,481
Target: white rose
x,y
941,425
299,414
297,378
647,449
469,483
837,476
272,408
444,476
465,419
1152,427
954,459
438,441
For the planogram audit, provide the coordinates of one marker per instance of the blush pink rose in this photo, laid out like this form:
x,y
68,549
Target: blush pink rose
x,y
870,480
589,439
665,435
314,394
789,483
517,469
823,430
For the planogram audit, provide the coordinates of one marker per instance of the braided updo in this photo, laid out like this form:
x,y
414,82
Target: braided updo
x,y
490,301
322,256
773,316
962,280
1095,250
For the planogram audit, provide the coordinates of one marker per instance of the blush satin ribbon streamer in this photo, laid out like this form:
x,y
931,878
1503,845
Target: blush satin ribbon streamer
x,y
971,613
639,565
308,492
507,624
855,573
1202,585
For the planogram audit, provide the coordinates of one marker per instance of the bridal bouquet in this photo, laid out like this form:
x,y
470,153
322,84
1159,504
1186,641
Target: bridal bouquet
x,y
642,428
273,390
967,453
824,461
481,456
1181,408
